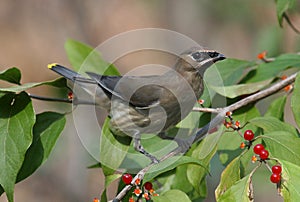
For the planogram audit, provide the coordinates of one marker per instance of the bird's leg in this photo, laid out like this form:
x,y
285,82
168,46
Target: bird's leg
x,y
183,144
138,147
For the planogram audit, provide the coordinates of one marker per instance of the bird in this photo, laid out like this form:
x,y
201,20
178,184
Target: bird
x,y
147,104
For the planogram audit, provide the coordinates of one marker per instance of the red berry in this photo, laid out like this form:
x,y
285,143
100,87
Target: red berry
x,y
148,186
264,154
276,169
257,148
248,135
275,178
127,178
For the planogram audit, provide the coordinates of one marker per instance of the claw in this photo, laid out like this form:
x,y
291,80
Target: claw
x,y
138,147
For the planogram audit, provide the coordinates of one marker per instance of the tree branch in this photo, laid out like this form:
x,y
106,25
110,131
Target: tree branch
x,y
209,110
203,132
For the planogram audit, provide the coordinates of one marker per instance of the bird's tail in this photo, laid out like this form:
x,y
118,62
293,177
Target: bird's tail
x,y
90,93
63,71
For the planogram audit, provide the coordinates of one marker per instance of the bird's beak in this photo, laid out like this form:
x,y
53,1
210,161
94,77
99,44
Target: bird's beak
x,y
219,57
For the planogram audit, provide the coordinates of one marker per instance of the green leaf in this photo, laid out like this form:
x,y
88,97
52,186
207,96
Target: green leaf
x,y
111,178
171,195
103,196
283,145
196,174
180,180
95,165
207,145
229,72
112,152
170,164
267,71
241,191
270,124
60,82
295,100
240,89
230,175
282,6
12,75
16,123
1,190
276,109
291,181
87,59
46,131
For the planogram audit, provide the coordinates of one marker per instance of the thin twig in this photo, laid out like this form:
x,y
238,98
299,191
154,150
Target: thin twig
x,y
74,101
203,132
50,99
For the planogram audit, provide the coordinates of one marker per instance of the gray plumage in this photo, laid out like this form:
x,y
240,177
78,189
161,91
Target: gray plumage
x,y
148,104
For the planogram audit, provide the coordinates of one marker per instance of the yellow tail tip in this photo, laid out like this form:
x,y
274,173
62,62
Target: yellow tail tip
x,y
51,65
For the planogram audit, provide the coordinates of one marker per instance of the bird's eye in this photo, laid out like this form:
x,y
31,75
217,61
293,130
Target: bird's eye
x,y
213,54
196,56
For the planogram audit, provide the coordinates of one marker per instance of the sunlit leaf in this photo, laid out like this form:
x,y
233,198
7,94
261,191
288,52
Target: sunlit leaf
x,y
16,123
240,89
230,175
112,152
282,6
240,191
291,181
283,145
267,71
170,164
270,124
227,72
295,100
172,195
196,174
87,59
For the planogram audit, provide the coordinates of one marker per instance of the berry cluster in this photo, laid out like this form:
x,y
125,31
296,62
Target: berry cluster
x,y
235,125
276,174
147,193
258,149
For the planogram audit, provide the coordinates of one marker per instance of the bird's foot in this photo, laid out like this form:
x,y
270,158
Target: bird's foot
x,y
138,147
183,144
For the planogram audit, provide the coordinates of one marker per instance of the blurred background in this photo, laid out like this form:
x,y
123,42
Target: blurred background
x,y
33,34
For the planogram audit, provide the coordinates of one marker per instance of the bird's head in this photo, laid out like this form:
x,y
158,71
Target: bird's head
x,y
199,59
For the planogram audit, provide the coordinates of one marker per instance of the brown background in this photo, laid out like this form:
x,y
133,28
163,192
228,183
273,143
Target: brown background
x,y
33,33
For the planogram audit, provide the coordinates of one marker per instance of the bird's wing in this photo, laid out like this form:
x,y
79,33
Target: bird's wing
x,y
141,92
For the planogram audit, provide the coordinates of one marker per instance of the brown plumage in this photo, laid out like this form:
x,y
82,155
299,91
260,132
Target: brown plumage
x,y
148,104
